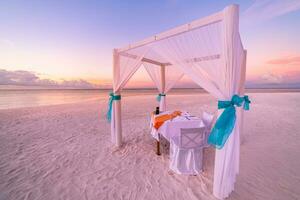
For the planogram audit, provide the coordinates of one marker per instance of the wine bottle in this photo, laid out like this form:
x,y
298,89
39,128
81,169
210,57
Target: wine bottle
x,y
157,111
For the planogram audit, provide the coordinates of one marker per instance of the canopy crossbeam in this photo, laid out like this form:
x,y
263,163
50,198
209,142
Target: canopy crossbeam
x,y
191,60
148,60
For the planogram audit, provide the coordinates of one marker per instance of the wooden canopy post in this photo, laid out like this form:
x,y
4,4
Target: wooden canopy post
x,y
162,104
117,124
242,93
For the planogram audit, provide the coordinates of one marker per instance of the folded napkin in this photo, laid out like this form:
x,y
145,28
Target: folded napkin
x,y
159,120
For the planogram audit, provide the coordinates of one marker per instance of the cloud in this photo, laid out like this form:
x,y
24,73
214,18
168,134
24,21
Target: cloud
x,y
263,10
289,60
26,78
6,43
282,70
17,77
272,78
77,84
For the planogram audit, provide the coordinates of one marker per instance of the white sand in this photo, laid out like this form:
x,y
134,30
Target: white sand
x,y
64,152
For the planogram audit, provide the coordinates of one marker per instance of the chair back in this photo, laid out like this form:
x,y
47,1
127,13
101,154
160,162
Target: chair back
x,y
207,119
192,137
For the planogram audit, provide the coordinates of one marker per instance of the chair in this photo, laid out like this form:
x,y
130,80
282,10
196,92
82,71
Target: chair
x,y
186,151
207,119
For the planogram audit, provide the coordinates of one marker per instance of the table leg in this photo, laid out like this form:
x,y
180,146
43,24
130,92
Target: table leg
x,y
158,146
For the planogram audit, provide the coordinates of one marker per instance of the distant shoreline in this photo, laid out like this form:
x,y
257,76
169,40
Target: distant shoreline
x,y
248,90
10,99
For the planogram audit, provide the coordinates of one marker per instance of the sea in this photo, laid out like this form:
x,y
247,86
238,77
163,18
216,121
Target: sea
x,y
20,98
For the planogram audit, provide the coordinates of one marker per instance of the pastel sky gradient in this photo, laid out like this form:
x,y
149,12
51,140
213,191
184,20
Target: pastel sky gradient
x,y
71,41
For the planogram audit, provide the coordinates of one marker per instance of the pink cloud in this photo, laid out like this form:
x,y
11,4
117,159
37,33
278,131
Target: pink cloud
x,y
26,78
272,78
290,60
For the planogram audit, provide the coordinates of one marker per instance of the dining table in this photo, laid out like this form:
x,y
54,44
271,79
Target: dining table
x,y
171,128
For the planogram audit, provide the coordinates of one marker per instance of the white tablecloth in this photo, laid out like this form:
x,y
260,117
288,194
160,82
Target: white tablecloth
x,y
171,128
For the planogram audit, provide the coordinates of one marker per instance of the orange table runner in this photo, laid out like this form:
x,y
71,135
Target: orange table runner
x,y
159,120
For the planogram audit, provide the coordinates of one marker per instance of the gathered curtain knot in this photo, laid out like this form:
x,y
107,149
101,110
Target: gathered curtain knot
x,y
158,98
225,123
235,101
246,102
112,97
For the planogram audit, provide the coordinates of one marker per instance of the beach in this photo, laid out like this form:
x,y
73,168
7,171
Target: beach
x,y
64,151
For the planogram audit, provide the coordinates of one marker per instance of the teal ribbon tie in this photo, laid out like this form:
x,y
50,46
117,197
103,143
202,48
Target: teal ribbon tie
x,y
158,98
112,98
225,122
246,103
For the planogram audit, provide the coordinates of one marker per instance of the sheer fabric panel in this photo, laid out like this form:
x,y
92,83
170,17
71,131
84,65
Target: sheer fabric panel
x,y
127,64
172,75
196,53
227,158
154,72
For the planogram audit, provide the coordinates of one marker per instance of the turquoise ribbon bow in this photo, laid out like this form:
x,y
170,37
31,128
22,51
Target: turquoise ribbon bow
x,y
158,98
246,103
225,122
112,98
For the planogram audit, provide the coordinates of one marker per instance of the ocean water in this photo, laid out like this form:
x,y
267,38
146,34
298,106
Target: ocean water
x,y
19,98
39,97
30,98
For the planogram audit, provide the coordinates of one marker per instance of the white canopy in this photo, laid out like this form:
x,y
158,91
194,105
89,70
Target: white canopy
x,y
210,52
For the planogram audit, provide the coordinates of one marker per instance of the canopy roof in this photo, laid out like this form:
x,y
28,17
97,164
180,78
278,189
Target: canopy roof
x,y
198,49
203,26
205,34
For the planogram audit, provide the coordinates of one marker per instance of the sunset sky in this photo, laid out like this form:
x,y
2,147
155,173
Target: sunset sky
x,y
71,42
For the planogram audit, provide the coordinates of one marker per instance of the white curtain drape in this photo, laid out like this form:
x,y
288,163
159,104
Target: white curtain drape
x,y
227,158
212,56
125,65
171,76
198,54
